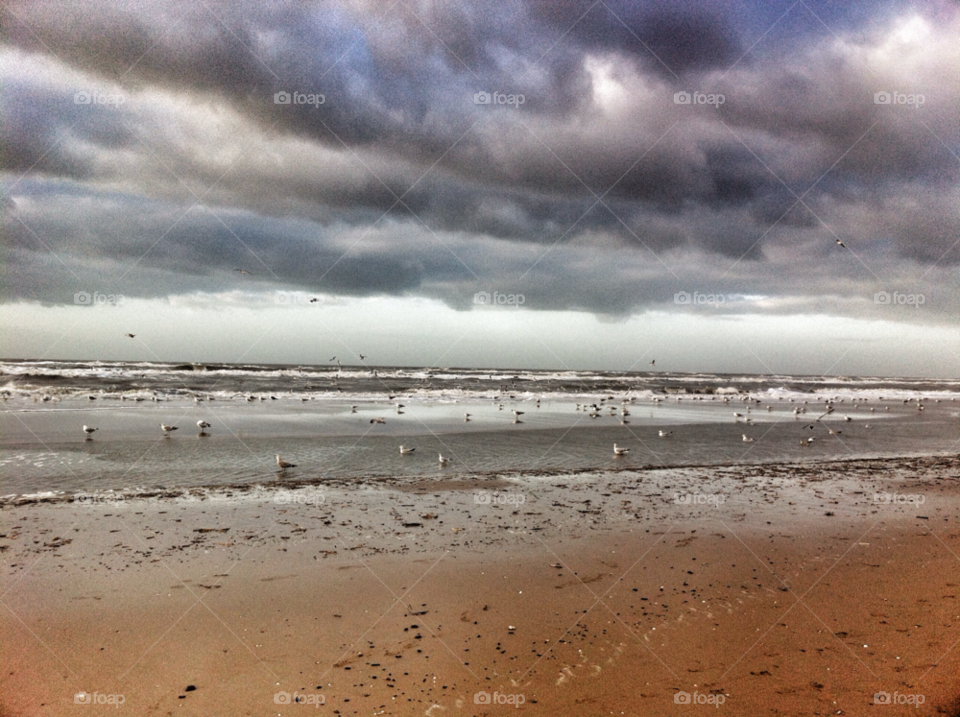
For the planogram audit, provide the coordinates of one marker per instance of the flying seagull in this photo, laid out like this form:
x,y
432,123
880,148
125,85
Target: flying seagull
x,y
131,336
314,300
653,363
841,244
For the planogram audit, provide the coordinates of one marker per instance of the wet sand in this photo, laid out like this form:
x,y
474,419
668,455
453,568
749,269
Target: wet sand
x,y
774,589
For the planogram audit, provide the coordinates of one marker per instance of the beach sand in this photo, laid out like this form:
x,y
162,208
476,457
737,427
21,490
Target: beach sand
x,y
754,590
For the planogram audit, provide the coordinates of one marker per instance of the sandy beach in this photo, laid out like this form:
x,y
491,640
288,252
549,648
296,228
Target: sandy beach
x,y
776,589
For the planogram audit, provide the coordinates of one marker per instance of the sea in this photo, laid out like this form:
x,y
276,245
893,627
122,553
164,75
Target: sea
x,y
350,421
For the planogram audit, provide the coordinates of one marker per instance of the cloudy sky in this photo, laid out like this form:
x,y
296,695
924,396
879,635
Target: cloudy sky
x,y
514,183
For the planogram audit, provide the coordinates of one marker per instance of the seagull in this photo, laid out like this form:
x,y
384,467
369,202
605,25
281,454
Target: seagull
x,y
405,451
314,300
362,357
332,359
284,464
466,417
132,336
518,413
201,425
806,442
244,271
664,434
737,415
618,451
378,420
353,409
167,429
89,431
653,363
841,244
747,439
443,461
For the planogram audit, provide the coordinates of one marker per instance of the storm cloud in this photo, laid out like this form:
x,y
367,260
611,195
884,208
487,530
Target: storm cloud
x,y
657,148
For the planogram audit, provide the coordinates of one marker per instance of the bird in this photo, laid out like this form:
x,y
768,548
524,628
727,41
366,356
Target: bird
x,y
841,244
653,363
284,464
314,300
737,415
466,416
332,359
244,271
202,425
167,429
747,439
406,451
443,461
362,357
518,413
806,442
132,336
353,409
618,451
89,431
664,434
378,420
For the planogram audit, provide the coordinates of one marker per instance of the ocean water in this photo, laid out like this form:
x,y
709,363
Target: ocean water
x,y
320,419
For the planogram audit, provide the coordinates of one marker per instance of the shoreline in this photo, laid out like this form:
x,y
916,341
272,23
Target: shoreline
x,y
478,477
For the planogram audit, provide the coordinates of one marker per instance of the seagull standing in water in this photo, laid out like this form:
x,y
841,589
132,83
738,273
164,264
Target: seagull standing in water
x,y
443,461
89,431
618,451
167,429
664,434
202,425
406,451
284,464
747,439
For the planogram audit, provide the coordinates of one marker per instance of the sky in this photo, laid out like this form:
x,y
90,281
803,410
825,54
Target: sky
x,y
767,187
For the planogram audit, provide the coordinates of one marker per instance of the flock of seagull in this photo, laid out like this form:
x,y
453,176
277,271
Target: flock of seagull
x,y
595,412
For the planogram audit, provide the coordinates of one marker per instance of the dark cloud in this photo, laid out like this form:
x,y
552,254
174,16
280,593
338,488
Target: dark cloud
x,y
399,183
